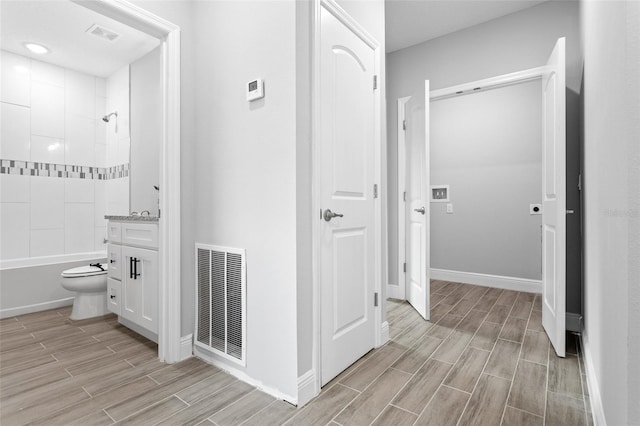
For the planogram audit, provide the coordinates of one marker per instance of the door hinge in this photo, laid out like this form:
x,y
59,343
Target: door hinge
x,y
404,267
580,182
375,82
404,196
404,124
375,190
375,299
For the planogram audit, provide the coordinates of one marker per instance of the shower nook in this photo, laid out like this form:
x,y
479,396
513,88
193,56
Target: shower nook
x,y
511,198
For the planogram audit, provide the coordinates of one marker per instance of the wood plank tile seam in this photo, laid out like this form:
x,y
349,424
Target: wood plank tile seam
x,y
483,346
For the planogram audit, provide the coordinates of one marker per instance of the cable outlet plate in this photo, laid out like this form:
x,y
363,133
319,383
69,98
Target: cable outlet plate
x,y
535,208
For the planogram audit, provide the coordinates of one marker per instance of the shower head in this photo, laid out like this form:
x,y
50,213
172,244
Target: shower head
x,y
107,117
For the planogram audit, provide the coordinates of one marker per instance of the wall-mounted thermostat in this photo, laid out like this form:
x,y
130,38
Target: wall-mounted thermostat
x,y
255,89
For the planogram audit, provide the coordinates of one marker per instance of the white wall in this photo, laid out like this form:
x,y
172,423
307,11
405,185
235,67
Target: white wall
x,y
487,147
611,37
51,116
511,43
246,167
181,13
146,131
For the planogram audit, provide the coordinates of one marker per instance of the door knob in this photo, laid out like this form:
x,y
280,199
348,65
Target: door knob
x,y
421,210
328,215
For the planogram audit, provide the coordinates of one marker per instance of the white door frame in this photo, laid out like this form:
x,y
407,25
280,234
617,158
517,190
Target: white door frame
x,y
169,224
399,291
332,7
450,92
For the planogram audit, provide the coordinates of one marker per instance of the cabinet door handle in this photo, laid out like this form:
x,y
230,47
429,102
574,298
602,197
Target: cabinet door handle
x,y
131,267
135,268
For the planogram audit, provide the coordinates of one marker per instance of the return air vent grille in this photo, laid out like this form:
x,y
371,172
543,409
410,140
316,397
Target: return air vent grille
x,y
221,296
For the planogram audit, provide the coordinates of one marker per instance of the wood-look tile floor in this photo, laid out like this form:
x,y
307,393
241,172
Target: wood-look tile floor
x,y
482,359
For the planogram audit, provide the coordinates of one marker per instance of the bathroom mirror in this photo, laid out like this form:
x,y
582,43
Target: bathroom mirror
x,y
146,132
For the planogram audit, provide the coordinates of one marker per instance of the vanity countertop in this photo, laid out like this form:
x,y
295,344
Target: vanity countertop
x,y
136,218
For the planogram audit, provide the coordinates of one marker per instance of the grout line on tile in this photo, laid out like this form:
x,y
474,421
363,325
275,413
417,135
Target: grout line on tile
x,y
87,392
513,378
403,409
157,382
485,364
546,393
455,388
524,411
104,410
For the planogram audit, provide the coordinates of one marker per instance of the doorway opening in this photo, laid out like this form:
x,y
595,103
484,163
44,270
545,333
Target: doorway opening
x,y
487,195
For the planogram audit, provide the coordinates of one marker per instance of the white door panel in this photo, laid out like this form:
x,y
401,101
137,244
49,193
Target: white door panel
x,y
554,199
417,202
346,179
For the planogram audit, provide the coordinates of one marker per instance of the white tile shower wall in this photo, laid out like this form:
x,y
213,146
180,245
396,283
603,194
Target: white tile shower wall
x,y
51,119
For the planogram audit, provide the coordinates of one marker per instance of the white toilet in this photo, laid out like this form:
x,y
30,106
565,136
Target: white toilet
x,y
90,284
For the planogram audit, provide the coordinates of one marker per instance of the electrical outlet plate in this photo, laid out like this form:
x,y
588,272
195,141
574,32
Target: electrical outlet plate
x,y
449,208
535,208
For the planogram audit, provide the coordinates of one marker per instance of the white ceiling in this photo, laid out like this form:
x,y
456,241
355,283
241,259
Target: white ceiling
x,y
410,22
61,26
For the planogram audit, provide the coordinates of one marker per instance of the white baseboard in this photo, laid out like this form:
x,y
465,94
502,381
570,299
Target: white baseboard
x,y
307,387
384,333
497,281
573,322
21,310
238,373
597,408
186,347
395,292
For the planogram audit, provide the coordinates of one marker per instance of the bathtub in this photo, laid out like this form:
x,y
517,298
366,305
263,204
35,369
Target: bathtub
x,y
33,284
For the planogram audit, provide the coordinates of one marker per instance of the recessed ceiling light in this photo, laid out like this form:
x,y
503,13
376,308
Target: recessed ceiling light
x,y
36,48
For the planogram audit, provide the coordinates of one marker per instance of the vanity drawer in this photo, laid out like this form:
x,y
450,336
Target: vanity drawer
x,y
114,232
114,258
114,296
140,234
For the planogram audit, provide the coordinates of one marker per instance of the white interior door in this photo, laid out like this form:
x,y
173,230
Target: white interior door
x,y
417,202
554,199
347,260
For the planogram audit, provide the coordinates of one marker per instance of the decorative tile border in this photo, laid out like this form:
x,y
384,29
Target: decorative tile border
x,y
31,168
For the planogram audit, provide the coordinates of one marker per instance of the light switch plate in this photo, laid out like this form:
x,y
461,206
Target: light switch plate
x,y
535,208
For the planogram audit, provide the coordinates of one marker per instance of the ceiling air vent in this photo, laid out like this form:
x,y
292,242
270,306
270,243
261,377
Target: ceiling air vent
x,y
102,32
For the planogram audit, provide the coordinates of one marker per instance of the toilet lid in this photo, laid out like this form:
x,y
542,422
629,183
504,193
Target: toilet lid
x,y
85,271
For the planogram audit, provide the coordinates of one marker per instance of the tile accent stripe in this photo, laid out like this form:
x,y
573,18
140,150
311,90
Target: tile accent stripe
x,y
31,168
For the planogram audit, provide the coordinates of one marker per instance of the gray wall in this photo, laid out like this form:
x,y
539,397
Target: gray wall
x,y
487,147
146,131
515,42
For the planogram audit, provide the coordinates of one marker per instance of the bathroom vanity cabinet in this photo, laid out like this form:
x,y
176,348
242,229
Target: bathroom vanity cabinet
x,y
132,283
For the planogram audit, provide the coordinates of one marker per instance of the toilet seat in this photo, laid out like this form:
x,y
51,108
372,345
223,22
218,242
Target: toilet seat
x,y
85,271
